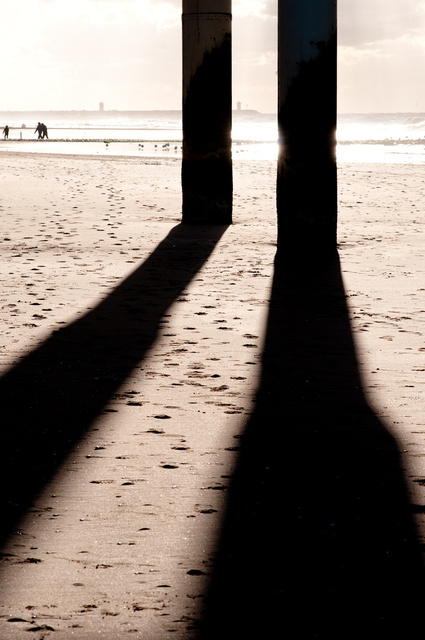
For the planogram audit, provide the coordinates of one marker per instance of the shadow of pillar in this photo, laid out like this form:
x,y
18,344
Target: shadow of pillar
x,y
318,540
53,394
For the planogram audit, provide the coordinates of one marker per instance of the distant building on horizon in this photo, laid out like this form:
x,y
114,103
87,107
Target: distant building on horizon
x,y
239,106
101,106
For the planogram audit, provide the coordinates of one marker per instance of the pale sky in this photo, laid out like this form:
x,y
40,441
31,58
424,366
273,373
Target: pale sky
x,y
72,54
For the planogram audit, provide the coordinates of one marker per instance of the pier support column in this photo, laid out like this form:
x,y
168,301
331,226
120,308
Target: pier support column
x,y
207,112
306,180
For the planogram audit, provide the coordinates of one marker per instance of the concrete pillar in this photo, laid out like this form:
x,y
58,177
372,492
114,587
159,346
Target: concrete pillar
x,y
306,181
207,112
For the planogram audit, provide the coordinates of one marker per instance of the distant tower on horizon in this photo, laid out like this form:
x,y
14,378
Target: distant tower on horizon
x,y
239,106
101,106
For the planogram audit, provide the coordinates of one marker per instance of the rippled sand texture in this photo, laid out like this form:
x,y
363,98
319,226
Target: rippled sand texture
x,y
131,356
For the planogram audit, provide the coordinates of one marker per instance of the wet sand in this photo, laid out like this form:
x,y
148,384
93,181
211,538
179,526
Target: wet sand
x,y
150,402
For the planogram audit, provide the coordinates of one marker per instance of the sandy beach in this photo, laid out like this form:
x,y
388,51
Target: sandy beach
x,y
189,436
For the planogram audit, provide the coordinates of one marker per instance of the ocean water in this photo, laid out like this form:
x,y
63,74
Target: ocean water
x,y
383,138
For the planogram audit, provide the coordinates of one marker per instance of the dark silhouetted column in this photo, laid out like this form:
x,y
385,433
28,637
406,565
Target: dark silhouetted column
x,y
207,112
306,181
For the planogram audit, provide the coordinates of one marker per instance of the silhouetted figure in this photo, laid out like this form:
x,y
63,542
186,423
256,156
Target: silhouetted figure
x,y
39,130
44,131
6,132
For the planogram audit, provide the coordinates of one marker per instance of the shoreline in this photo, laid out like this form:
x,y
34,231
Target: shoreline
x,y
359,154
83,157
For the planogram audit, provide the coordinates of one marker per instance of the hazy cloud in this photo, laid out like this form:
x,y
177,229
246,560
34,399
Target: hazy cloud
x,y
381,55
366,21
73,53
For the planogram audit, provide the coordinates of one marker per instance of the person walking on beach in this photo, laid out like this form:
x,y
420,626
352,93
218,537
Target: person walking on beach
x,y
39,130
44,131
6,132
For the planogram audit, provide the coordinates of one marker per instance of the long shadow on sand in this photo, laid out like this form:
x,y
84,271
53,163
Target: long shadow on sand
x,y
318,540
50,398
